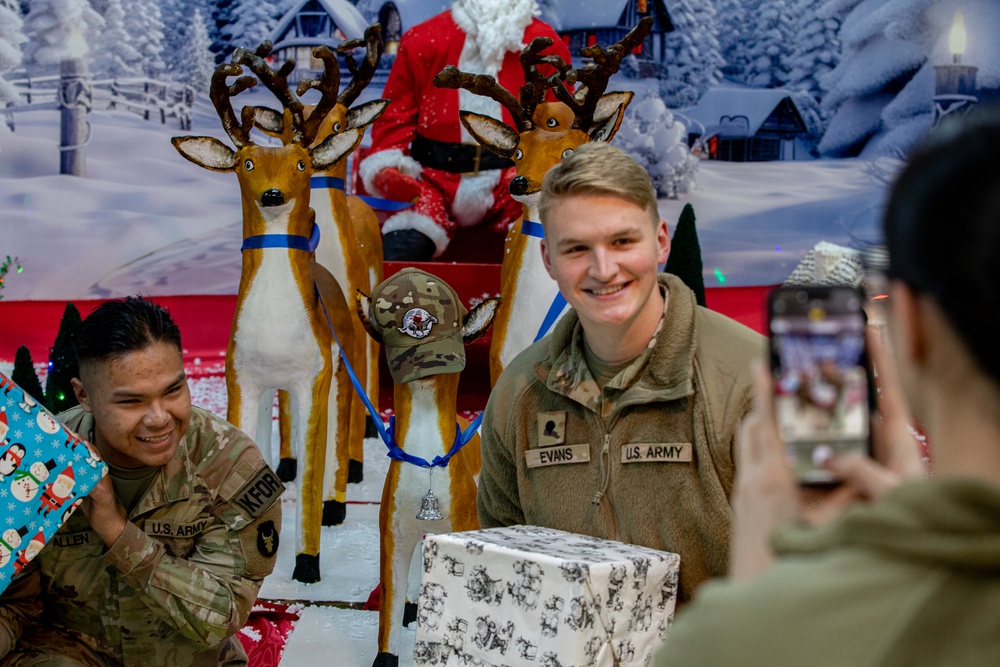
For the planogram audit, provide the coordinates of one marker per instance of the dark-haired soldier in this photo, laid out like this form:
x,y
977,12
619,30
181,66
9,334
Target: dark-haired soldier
x,y
163,564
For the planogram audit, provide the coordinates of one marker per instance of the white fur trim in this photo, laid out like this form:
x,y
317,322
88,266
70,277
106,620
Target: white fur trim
x,y
492,29
421,223
376,162
474,197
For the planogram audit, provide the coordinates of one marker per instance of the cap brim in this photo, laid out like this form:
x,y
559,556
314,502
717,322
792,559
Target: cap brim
x,y
416,362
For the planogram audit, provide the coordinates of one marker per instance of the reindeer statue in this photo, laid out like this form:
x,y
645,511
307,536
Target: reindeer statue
x,y
424,328
545,133
350,248
280,338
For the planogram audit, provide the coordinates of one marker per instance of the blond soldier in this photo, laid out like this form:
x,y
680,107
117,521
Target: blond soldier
x,y
163,563
620,423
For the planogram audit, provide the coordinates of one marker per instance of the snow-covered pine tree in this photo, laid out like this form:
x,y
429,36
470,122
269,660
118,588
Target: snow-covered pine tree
x,y
768,43
693,58
11,39
815,49
115,55
175,15
656,140
731,16
254,21
145,29
880,94
55,28
195,60
220,29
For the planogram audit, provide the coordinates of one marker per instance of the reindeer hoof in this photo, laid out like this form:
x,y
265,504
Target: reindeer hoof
x,y
409,613
334,513
306,569
287,469
370,430
386,660
355,472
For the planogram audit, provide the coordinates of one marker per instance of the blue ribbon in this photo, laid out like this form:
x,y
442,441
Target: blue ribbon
x,y
336,183
388,436
532,228
283,241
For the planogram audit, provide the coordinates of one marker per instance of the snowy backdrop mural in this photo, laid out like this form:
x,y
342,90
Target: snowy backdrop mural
x,y
780,121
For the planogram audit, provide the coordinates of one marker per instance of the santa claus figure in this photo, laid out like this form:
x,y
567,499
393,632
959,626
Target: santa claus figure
x,y
11,459
9,542
25,557
4,425
58,492
420,150
26,482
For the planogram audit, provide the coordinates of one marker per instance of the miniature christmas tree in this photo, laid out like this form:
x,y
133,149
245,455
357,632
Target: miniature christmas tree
x,y
59,394
24,374
685,254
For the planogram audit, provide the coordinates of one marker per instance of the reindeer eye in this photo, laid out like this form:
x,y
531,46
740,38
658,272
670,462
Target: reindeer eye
x,y
551,122
301,166
248,165
336,127
566,153
519,154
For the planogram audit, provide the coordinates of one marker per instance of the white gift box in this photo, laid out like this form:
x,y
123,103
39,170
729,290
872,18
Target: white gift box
x,y
525,595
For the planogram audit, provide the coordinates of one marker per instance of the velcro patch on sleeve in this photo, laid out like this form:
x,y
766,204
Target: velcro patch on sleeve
x,y
259,493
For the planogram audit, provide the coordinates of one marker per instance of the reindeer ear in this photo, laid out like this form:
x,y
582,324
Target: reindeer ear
x,y
207,152
335,148
606,129
365,114
479,320
363,304
491,133
608,104
269,121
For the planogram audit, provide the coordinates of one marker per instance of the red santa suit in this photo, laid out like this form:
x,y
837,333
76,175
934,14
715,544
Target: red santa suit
x,y
477,36
58,492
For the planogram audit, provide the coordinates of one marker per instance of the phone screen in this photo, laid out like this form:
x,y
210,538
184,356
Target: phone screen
x,y
820,374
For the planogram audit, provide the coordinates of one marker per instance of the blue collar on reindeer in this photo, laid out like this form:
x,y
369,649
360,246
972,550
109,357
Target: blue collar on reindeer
x,y
388,435
532,228
283,241
377,203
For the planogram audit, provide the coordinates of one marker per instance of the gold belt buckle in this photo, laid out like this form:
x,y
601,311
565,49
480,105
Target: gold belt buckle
x,y
475,161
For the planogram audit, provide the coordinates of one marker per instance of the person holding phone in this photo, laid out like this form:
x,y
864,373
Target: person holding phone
x,y
889,568
621,423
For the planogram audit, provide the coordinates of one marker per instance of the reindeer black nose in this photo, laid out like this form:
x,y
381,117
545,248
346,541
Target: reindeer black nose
x,y
272,197
519,186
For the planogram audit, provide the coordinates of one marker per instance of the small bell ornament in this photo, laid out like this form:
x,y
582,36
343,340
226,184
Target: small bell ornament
x,y
429,508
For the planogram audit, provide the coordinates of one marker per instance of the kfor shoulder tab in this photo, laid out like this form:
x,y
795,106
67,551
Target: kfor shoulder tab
x,y
259,493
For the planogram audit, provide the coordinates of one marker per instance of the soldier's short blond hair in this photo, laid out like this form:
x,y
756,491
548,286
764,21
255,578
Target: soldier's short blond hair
x,y
597,168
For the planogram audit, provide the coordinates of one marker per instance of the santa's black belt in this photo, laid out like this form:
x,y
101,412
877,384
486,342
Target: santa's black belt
x,y
457,158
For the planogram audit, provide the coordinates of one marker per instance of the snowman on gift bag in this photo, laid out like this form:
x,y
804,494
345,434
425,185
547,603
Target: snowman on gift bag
x,y
26,482
9,542
58,492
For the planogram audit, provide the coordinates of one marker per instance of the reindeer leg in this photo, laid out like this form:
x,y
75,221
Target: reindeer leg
x,y
287,463
309,406
357,412
338,434
399,542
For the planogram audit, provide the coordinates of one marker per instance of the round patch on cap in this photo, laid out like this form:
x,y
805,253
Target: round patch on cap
x,y
417,323
267,539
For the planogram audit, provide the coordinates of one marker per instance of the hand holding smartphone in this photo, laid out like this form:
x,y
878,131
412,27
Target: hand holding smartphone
x,y
823,389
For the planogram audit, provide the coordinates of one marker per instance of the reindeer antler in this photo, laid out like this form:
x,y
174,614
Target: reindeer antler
x,y
533,91
361,75
487,86
277,82
595,76
221,92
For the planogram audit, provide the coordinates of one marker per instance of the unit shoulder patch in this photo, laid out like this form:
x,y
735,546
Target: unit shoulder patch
x,y
259,493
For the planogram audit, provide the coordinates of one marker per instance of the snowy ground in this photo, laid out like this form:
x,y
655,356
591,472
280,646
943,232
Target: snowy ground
x,y
146,220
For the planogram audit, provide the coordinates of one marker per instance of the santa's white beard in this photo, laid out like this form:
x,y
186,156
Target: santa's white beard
x,y
492,28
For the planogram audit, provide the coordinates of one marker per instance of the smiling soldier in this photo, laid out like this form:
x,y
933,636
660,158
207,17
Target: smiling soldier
x,y
163,564
647,388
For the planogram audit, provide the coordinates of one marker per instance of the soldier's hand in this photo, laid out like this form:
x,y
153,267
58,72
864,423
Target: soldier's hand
x,y
106,514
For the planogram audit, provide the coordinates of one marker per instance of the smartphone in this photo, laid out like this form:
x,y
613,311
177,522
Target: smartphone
x,y
823,388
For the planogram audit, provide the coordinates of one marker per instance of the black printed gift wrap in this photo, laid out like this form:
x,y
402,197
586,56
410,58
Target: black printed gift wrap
x,y
45,472
530,596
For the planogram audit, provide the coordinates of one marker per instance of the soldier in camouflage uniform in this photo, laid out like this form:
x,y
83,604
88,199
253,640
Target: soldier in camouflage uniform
x,y
620,424
163,563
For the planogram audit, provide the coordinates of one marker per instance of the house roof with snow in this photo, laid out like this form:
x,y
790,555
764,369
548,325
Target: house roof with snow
x,y
572,15
313,22
736,110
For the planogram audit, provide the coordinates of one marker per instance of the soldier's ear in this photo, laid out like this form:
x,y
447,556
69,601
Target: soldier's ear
x,y
82,397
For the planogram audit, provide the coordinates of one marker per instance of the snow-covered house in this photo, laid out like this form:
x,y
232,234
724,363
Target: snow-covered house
x,y
585,24
746,124
311,23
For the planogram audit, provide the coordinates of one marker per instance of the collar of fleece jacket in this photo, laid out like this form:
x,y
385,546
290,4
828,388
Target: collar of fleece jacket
x,y
669,370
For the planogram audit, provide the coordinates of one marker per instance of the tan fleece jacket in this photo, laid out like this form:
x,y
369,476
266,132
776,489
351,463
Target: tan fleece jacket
x,y
694,390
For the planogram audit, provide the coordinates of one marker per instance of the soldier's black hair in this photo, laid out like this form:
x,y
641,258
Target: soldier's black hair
x,y
121,326
942,228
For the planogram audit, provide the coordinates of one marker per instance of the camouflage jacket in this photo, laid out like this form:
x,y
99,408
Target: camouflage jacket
x,y
181,579
647,460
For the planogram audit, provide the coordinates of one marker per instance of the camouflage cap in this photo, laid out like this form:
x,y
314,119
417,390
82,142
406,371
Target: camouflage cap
x,y
420,319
